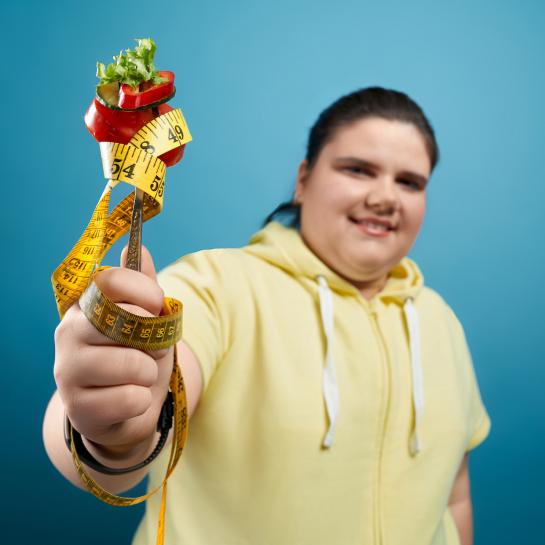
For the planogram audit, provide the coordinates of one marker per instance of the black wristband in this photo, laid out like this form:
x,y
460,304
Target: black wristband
x,y
163,425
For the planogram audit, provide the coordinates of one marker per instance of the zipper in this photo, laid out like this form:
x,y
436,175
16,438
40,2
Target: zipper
x,y
384,414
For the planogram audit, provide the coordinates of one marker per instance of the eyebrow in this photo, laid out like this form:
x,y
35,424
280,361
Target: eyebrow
x,y
368,164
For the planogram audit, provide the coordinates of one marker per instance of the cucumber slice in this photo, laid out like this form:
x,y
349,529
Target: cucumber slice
x,y
108,94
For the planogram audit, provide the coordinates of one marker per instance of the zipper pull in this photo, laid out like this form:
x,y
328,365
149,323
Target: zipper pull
x,y
373,307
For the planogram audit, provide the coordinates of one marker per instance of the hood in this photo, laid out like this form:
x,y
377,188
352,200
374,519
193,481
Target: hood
x,y
284,247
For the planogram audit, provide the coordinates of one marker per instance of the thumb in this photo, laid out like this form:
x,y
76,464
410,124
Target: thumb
x,y
146,262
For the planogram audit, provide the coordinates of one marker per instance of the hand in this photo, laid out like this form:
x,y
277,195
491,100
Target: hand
x,y
111,393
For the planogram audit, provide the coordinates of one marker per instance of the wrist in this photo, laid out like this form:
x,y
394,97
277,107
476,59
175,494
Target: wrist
x,y
76,442
121,455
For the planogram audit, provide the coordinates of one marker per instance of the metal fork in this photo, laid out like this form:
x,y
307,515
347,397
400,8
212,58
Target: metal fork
x,y
134,253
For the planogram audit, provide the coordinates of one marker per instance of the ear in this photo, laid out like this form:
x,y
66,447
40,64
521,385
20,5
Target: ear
x,y
302,175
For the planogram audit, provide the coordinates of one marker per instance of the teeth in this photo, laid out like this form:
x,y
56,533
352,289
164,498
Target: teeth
x,y
374,225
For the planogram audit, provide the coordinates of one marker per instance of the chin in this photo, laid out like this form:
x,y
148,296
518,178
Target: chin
x,y
368,269
363,271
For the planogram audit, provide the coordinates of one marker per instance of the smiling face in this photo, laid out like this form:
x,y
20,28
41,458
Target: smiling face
x,y
363,201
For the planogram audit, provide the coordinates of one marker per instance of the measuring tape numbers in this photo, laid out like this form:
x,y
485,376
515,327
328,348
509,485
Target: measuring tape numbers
x,y
116,323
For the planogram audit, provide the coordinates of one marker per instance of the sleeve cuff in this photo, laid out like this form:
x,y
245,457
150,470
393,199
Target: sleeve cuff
x,y
481,433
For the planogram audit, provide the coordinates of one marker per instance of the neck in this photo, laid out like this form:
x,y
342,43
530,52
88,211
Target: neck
x,y
369,288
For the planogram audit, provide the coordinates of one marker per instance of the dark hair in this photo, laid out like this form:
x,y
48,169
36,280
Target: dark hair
x,y
368,102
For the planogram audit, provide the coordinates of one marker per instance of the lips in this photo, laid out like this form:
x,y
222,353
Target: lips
x,y
375,224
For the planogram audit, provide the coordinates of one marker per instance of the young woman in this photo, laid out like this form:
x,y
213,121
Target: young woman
x,y
337,401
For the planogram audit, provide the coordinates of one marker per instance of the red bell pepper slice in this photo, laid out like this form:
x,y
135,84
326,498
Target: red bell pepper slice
x,y
109,125
146,93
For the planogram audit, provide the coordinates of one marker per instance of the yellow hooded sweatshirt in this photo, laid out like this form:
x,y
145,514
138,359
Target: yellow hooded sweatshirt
x,y
326,418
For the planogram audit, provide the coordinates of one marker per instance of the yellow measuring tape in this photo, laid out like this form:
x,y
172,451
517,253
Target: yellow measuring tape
x,y
144,333
138,164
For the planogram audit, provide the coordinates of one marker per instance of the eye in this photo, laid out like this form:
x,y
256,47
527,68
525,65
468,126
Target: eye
x,y
410,183
356,169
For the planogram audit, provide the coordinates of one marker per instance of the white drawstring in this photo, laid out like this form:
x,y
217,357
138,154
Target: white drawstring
x,y
417,375
329,381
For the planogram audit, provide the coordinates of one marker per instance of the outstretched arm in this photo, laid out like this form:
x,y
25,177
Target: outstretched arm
x,y
460,503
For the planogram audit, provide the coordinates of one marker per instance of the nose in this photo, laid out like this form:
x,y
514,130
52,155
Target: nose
x,y
382,197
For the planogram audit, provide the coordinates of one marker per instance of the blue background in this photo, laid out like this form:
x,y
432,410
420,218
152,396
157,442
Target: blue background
x,y
251,78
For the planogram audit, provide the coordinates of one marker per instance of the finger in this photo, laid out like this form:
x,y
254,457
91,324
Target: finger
x,y
146,262
76,330
132,287
112,366
109,405
76,326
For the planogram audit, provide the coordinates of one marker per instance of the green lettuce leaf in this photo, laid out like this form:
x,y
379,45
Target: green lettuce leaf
x,y
132,67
